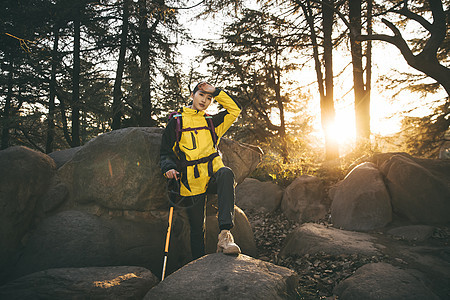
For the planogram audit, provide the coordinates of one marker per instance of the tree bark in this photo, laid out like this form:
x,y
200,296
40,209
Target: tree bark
x,y
368,55
362,102
327,110
144,52
6,112
62,108
117,106
76,80
277,84
51,102
328,113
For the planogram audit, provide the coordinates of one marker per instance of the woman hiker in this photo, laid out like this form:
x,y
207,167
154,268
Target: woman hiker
x,y
189,154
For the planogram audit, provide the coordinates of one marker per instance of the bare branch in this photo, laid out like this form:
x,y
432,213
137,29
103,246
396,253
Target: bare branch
x,y
396,40
188,7
404,11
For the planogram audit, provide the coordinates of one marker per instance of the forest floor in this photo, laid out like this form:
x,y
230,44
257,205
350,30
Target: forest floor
x,y
320,273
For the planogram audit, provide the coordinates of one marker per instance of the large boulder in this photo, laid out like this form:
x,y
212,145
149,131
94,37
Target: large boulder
x,y
218,276
75,239
121,282
313,238
242,232
107,204
382,281
240,157
120,170
361,201
304,200
62,156
253,194
25,177
419,188
117,170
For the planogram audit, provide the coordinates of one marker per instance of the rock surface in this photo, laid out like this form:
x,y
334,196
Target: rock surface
x,y
25,177
242,232
304,200
256,195
361,201
120,170
63,156
218,276
383,281
121,282
412,232
73,239
117,170
311,238
319,272
240,157
420,189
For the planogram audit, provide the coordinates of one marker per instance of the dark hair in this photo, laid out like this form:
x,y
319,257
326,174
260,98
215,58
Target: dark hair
x,y
196,87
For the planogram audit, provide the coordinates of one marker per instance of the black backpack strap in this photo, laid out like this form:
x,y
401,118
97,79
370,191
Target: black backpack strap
x,y
210,123
207,159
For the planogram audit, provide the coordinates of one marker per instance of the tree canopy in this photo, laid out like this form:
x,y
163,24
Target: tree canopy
x,y
73,70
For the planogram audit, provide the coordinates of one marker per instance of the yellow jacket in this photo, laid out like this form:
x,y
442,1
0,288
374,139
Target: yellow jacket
x,y
196,144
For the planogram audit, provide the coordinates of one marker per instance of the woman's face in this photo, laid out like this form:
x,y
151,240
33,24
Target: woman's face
x,y
201,100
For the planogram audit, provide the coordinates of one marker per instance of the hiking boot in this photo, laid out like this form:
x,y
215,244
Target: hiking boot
x,y
226,243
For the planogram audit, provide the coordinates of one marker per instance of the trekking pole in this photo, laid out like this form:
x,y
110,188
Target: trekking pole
x,y
166,249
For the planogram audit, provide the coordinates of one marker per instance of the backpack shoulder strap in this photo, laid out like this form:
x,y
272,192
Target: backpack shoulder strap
x,y
177,115
210,123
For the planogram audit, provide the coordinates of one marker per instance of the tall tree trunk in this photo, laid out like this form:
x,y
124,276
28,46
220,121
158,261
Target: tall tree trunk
x,y
362,102
368,86
6,112
326,98
51,101
144,52
117,106
76,80
328,113
62,109
277,84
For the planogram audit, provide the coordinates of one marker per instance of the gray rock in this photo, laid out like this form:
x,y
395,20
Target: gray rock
x,y
382,281
242,232
218,276
74,239
304,200
313,238
253,194
419,188
25,177
120,170
121,282
53,199
444,150
240,157
413,232
361,201
63,156
117,170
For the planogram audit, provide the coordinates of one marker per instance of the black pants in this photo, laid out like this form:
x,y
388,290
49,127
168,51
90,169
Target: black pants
x,y
222,184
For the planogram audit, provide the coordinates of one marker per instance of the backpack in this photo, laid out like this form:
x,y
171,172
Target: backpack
x,y
179,130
